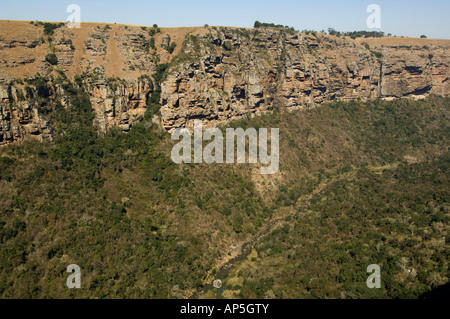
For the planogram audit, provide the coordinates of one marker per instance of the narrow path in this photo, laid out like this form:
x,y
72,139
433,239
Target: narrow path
x,y
112,66
80,36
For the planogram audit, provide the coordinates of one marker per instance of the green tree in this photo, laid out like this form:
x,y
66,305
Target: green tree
x,y
172,47
51,58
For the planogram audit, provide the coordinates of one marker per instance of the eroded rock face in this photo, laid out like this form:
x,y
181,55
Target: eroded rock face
x,y
23,113
120,103
20,117
415,71
166,42
99,54
220,74
232,73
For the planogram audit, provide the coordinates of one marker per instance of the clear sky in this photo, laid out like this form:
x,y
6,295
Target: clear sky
x,y
409,18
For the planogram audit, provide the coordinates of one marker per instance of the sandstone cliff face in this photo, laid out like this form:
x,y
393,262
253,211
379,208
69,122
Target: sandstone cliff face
x,y
22,120
121,106
215,74
99,54
115,102
230,73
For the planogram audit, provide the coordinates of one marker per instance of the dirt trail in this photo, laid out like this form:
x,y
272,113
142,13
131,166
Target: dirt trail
x,y
80,36
112,67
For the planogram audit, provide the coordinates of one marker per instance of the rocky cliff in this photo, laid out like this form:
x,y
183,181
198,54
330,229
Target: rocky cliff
x,y
213,74
229,73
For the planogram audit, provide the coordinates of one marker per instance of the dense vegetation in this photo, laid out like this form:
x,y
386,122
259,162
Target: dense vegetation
x,y
258,24
356,34
331,31
394,217
49,28
51,58
359,183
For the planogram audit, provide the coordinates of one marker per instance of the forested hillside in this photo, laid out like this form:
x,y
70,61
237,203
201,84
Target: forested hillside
x,y
359,184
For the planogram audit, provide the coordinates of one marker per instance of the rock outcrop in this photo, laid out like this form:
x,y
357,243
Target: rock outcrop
x,y
24,111
230,73
215,74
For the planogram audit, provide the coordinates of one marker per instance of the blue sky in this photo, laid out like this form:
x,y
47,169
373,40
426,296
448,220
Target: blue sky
x,y
408,18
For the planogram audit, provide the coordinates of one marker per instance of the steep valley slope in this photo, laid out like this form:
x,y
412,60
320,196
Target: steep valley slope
x,y
86,176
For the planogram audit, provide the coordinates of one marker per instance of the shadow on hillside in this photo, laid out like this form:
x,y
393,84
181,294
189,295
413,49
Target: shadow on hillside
x,y
441,292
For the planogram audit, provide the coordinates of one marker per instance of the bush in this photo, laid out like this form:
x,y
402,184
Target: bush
x,y
379,55
423,36
51,58
5,168
42,88
154,31
49,28
152,43
271,25
172,47
227,45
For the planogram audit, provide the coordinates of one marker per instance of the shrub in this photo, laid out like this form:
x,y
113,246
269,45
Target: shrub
x,y
49,28
379,55
172,47
271,25
51,58
152,44
227,45
42,88
356,34
154,30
